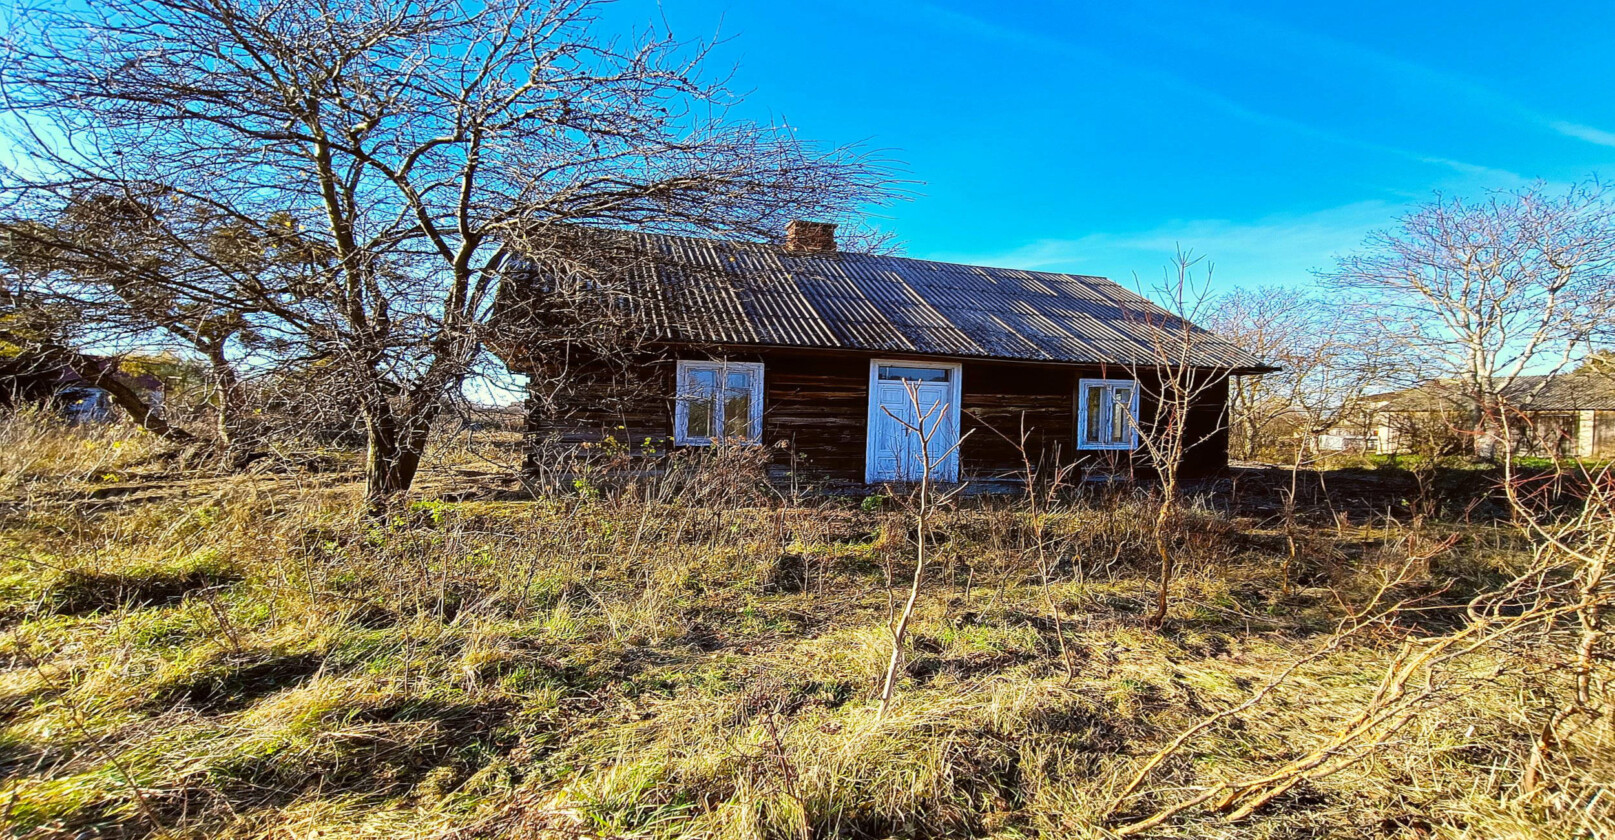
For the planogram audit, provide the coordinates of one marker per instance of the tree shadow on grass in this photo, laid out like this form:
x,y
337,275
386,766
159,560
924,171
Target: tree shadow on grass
x,y
76,593
240,679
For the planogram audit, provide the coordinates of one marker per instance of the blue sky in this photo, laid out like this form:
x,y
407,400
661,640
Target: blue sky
x,y
1095,137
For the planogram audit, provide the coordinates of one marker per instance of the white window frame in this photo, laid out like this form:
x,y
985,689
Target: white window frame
x,y
1108,407
681,403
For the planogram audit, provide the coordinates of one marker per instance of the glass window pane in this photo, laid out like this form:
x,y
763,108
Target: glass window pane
x,y
702,380
1119,424
737,414
699,395
699,423
914,374
1096,413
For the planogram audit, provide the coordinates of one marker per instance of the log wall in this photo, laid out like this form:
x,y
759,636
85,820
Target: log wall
x,y
816,404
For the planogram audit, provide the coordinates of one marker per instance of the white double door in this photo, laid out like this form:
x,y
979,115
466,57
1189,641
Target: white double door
x,y
913,419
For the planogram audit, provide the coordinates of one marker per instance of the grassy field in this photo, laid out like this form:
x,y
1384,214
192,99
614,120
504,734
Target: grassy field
x,y
188,654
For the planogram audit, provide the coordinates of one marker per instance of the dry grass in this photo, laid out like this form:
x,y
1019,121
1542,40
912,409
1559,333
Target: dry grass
x,y
250,658
36,445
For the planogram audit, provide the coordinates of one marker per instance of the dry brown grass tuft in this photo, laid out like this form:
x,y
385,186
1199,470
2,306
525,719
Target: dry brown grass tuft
x,y
36,445
250,657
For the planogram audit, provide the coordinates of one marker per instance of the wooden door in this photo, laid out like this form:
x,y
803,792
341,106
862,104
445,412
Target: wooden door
x,y
896,413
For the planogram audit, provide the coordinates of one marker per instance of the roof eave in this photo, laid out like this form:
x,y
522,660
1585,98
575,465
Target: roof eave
x,y
1249,370
1254,370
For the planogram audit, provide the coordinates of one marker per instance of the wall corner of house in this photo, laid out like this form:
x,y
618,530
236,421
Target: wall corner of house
x,y
1586,433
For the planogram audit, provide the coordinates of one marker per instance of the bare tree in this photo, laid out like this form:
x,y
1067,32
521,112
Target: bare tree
x,y
1326,364
1273,324
924,500
1486,291
413,145
1176,388
156,271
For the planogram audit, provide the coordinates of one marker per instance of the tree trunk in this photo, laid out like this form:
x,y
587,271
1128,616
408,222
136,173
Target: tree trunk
x,y
1485,443
1249,433
1163,518
97,373
235,439
392,457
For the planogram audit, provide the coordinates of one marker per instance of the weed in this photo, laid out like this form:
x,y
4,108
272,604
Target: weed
x,y
653,661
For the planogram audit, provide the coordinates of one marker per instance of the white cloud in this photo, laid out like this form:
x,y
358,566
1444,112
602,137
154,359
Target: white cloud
x,y
1070,48
1312,46
1584,132
1277,250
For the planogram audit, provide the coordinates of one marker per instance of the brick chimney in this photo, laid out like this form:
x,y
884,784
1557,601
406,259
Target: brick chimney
x,y
810,237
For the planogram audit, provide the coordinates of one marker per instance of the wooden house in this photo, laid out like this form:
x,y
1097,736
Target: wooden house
x,y
831,356
1569,415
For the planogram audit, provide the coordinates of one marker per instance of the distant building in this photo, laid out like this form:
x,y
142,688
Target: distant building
x,y
1341,439
1568,415
85,404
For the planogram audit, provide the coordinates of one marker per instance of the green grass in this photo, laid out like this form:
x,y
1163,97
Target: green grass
x,y
1463,463
251,658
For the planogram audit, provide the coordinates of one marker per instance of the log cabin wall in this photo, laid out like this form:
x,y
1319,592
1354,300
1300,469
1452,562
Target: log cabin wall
x,y
631,402
996,400
1207,433
816,403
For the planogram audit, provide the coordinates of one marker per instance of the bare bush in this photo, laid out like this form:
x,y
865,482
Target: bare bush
x,y
1178,389
921,427
1546,624
397,155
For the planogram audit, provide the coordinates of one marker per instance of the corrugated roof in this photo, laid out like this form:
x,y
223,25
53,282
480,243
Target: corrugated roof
x,y
718,292
1565,392
1561,392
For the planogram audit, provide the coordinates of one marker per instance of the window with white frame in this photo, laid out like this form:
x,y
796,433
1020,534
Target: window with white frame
x,y
1106,413
718,401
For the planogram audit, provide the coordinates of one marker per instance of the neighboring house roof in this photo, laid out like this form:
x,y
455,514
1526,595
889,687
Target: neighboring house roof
x,y
1436,395
1564,392
1561,392
68,379
738,293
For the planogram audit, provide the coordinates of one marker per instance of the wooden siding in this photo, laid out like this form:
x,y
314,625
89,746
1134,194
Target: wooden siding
x,y
995,401
816,405
631,403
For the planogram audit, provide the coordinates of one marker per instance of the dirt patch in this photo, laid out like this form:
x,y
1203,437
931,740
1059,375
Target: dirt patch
x,y
787,574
